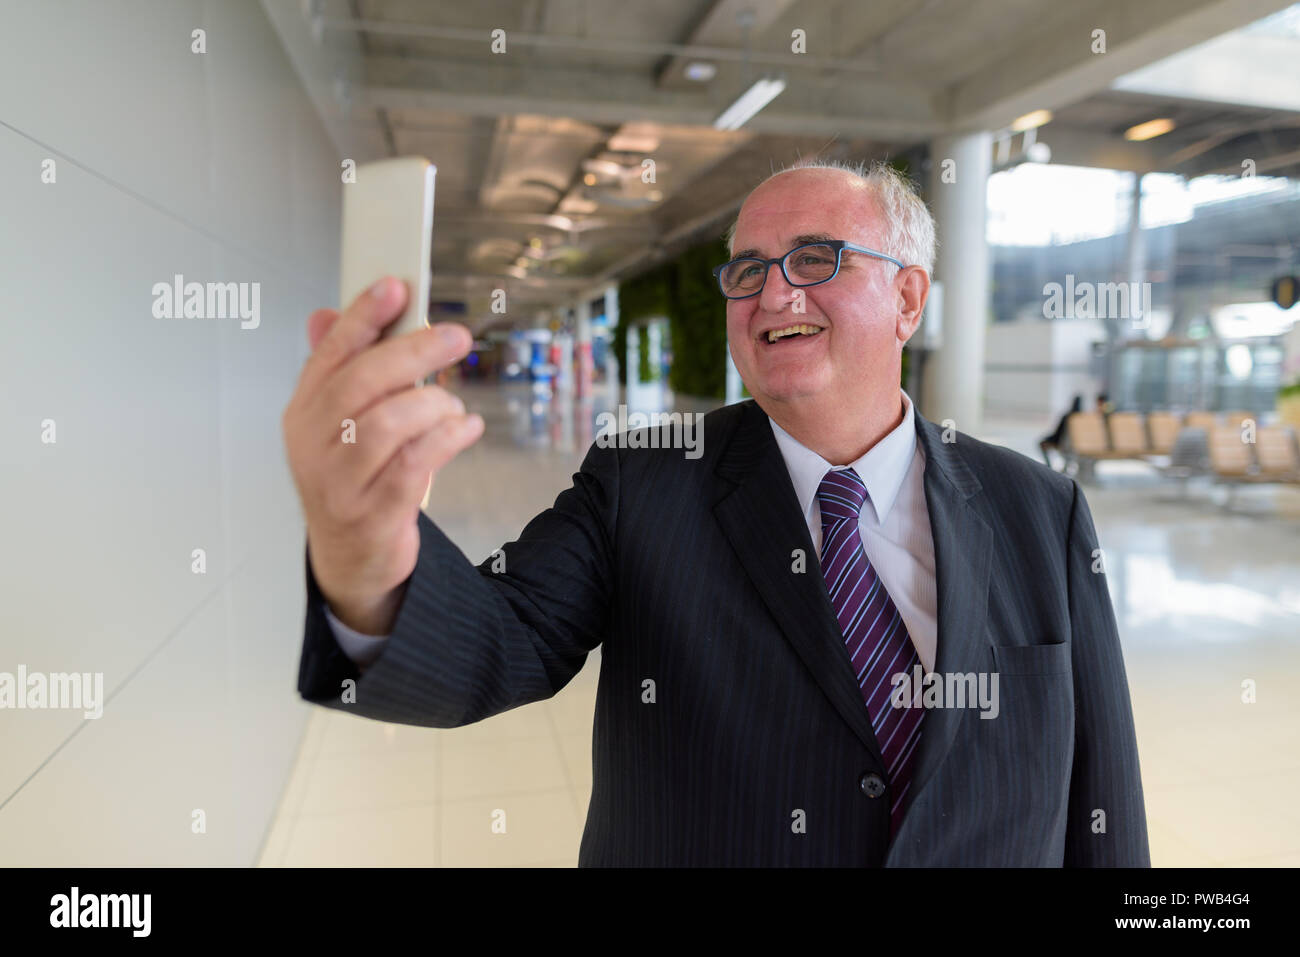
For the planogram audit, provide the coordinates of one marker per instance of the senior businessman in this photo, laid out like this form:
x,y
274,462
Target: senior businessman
x,y
778,593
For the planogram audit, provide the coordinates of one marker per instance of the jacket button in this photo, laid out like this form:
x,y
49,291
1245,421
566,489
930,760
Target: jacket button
x,y
873,785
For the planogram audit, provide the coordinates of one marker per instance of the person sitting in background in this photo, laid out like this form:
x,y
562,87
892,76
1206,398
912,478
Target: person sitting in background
x,y
1060,436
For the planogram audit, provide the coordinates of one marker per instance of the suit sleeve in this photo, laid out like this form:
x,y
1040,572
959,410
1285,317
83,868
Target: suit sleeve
x,y
470,642
1106,774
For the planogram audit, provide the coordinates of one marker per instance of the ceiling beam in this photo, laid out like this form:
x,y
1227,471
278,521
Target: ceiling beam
x,y
523,226
886,21
881,109
721,27
1076,147
600,45
1054,65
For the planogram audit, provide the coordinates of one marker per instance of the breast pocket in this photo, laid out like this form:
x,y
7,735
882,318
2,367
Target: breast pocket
x,y
1027,748
1052,659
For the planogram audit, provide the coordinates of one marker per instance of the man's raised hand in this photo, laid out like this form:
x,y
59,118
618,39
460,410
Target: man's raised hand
x,y
362,442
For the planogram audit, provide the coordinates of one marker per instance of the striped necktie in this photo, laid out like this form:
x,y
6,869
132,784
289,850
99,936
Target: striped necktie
x,y
874,633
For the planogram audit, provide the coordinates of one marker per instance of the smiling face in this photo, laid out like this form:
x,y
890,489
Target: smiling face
x,y
863,314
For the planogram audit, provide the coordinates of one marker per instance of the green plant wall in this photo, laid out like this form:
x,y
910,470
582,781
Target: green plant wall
x,y
684,291
643,297
699,324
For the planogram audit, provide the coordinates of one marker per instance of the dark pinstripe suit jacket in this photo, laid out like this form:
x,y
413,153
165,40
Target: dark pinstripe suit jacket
x,y
682,570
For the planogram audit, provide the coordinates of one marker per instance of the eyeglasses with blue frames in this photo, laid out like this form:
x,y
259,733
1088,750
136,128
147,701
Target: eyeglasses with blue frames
x,y
807,265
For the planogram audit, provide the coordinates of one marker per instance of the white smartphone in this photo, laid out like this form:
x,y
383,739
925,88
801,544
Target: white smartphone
x,y
388,231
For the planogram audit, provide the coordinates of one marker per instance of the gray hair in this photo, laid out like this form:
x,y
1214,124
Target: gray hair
x,y
909,227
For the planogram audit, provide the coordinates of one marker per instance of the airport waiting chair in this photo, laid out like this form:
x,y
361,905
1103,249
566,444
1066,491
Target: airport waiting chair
x,y
1202,420
1128,435
1162,431
1230,457
1236,417
1089,443
1236,463
1188,459
1276,455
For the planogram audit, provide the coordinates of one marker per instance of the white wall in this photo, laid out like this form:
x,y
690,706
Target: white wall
x,y
1034,367
214,166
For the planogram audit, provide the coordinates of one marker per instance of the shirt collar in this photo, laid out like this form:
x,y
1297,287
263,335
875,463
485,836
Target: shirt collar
x,y
882,469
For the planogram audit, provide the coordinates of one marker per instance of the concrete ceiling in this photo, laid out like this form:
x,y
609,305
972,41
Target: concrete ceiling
x,y
1208,138
540,149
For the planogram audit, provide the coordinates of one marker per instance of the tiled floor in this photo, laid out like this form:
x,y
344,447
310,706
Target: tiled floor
x,y
1206,599
511,790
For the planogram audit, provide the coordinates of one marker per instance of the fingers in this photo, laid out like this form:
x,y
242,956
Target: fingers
x,y
359,326
454,436
406,475
393,365
361,497
388,425
319,323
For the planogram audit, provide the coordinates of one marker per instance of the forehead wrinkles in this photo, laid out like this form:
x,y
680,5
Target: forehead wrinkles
x,y
775,214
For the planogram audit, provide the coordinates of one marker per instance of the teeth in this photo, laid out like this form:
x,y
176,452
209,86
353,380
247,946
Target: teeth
x,y
803,328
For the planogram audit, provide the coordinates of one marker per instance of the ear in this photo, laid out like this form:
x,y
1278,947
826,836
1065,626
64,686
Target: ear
x,y
913,286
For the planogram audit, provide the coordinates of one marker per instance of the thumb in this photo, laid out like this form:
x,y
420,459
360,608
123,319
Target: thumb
x,y
318,324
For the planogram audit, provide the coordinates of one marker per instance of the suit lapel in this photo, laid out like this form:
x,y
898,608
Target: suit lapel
x,y
963,543
760,515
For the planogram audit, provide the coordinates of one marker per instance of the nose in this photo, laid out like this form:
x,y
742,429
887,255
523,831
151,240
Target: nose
x,y
777,292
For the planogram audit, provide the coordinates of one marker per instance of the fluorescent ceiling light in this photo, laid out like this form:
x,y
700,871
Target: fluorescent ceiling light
x,y
607,168
1031,121
749,103
626,141
1148,130
578,204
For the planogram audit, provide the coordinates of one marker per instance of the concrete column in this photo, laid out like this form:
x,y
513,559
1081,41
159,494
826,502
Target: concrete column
x,y
1136,256
954,375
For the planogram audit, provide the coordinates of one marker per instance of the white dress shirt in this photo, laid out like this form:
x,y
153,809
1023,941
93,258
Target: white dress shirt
x,y
894,523
363,649
895,528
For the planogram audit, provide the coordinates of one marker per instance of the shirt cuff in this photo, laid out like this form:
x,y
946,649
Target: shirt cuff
x,y
363,649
